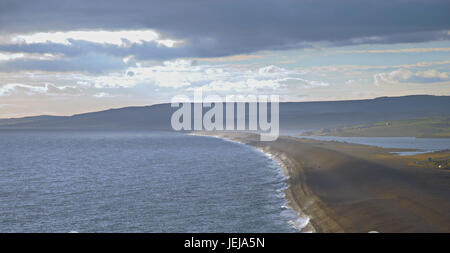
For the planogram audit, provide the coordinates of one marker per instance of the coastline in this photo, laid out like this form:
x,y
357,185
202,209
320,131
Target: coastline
x,y
303,222
326,186
301,201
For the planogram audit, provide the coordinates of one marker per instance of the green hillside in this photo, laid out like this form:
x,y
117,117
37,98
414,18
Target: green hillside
x,y
435,127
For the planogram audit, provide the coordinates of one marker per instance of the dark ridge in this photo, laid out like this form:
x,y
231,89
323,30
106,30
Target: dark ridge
x,y
294,116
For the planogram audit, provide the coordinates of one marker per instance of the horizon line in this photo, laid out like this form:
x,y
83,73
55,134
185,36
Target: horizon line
x,y
163,103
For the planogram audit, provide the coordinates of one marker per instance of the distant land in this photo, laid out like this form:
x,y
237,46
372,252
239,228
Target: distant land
x,y
434,127
295,117
348,187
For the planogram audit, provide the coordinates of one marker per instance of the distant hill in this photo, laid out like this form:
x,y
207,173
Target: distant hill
x,y
294,116
432,127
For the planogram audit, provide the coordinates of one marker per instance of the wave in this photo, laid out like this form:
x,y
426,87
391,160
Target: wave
x,y
299,221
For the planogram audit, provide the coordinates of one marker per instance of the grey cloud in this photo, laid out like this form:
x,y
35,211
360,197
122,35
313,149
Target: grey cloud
x,y
214,28
93,63
221,28
396,38
144,51
195,48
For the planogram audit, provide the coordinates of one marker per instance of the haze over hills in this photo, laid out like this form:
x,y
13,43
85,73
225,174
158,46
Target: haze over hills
x,y
294,116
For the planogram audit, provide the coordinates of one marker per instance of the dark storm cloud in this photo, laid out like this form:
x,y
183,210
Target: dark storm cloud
x,y
234,24
213,28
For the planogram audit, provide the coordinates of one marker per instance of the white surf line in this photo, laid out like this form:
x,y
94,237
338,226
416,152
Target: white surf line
x,y
302,220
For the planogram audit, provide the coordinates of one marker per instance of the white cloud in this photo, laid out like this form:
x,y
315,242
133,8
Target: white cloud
x,y
8,57
433,74
405,75
187,74
315,83
47,88
393,77
168,78
103,95
350,81
248,85
271,70
9,88
173,74
14,56
118,38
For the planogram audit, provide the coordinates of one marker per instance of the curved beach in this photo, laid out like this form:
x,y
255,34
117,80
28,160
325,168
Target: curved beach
x,y
356,188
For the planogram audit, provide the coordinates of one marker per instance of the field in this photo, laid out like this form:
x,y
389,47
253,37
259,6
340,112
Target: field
x,y
435,127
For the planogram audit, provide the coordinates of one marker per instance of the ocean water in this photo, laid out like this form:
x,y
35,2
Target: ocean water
x,y
421,145
138,182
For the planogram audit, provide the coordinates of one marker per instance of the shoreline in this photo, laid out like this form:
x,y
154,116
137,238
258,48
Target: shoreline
x,y
303,222
286,166
343,187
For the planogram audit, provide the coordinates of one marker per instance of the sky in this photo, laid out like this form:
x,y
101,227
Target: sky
x,y
60,57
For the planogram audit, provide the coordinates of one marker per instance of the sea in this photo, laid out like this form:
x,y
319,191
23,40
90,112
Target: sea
x,y
120,181
417,145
